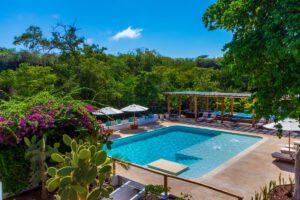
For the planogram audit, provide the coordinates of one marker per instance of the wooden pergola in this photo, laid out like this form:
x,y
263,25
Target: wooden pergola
x,y
218,95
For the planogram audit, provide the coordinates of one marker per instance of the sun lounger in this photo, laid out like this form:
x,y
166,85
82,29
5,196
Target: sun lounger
x,y
287,151
292,146
211,118
283,157
203,118
297,142
173,117
261,122
108,123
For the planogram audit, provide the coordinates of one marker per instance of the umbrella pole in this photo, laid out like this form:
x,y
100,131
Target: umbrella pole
x,y
289,142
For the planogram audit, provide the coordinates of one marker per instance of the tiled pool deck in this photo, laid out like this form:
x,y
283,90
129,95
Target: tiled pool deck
x,y
242,175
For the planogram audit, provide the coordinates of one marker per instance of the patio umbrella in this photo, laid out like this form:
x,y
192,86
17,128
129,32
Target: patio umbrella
x,y
107,111
133,109
288,124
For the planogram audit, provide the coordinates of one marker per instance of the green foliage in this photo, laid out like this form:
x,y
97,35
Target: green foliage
x,y
37,153
81,173
265,190
184,196
154,190
136,77
264,52
28,80
14,168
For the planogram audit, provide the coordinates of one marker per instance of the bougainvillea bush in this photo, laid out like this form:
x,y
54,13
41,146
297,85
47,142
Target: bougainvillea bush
x,y
39,115
46,114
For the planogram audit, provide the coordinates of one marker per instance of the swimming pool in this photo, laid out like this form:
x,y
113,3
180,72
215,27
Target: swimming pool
x,y
201,150
236,114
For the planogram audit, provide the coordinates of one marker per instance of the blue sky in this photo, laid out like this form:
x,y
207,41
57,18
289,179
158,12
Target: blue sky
x,y
172,27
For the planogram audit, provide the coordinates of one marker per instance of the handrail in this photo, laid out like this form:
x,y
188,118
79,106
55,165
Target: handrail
x,y
166,176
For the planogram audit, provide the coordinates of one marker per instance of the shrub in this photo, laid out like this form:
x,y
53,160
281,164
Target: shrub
x,y
13,168
81,173
40,115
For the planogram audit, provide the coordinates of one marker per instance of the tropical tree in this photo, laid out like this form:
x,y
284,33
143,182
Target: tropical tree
x,y
266,48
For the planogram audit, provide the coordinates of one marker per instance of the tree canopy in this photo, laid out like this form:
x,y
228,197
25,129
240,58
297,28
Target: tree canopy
x,y
63,63
264,51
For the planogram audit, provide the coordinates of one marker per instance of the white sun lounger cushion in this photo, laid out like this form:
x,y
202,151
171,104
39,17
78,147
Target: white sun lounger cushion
x,y
286,150
282,156
297,142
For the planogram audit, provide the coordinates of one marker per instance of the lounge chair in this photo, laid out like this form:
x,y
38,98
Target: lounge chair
x,y
167,115
118,121
261,123
203,118
131,119
283,157
173,117
108,123
297,142
292,146
287,150
212,118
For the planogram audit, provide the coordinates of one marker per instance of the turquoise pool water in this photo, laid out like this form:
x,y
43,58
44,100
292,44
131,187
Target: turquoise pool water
x,y
236,114
201,149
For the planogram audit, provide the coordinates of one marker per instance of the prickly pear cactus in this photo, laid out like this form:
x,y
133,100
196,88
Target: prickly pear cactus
x,y
80,174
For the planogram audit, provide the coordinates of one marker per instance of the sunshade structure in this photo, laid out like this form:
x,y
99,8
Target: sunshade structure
x,y
133,109
219,96
107,111
288,124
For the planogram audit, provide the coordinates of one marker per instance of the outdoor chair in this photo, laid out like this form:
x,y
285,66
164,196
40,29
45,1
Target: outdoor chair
x,y
212,118
285,150
173,117
261,123
161,116
108,123
131,119
283,157
203,118
297,142
167,116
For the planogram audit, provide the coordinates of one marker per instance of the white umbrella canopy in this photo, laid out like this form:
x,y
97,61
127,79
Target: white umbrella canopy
x,y
107,111
134,108
288,124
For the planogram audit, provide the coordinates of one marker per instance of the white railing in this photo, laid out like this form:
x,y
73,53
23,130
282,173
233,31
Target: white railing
x,y
126,124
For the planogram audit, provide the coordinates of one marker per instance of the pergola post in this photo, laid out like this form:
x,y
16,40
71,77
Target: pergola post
x,y
168,103
253,114
217,103
207,102
231,105
195,107
179,105
222,109
191,103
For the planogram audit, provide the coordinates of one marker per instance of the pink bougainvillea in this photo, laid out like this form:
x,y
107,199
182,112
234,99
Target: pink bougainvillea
x,y
43,118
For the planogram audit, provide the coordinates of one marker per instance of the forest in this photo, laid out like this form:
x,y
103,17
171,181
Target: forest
x,y
66,64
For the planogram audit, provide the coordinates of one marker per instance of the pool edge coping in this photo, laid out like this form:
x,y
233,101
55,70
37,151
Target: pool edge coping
x,y
227,163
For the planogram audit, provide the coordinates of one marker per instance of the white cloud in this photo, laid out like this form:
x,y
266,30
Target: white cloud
x,y
89,40
127,33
